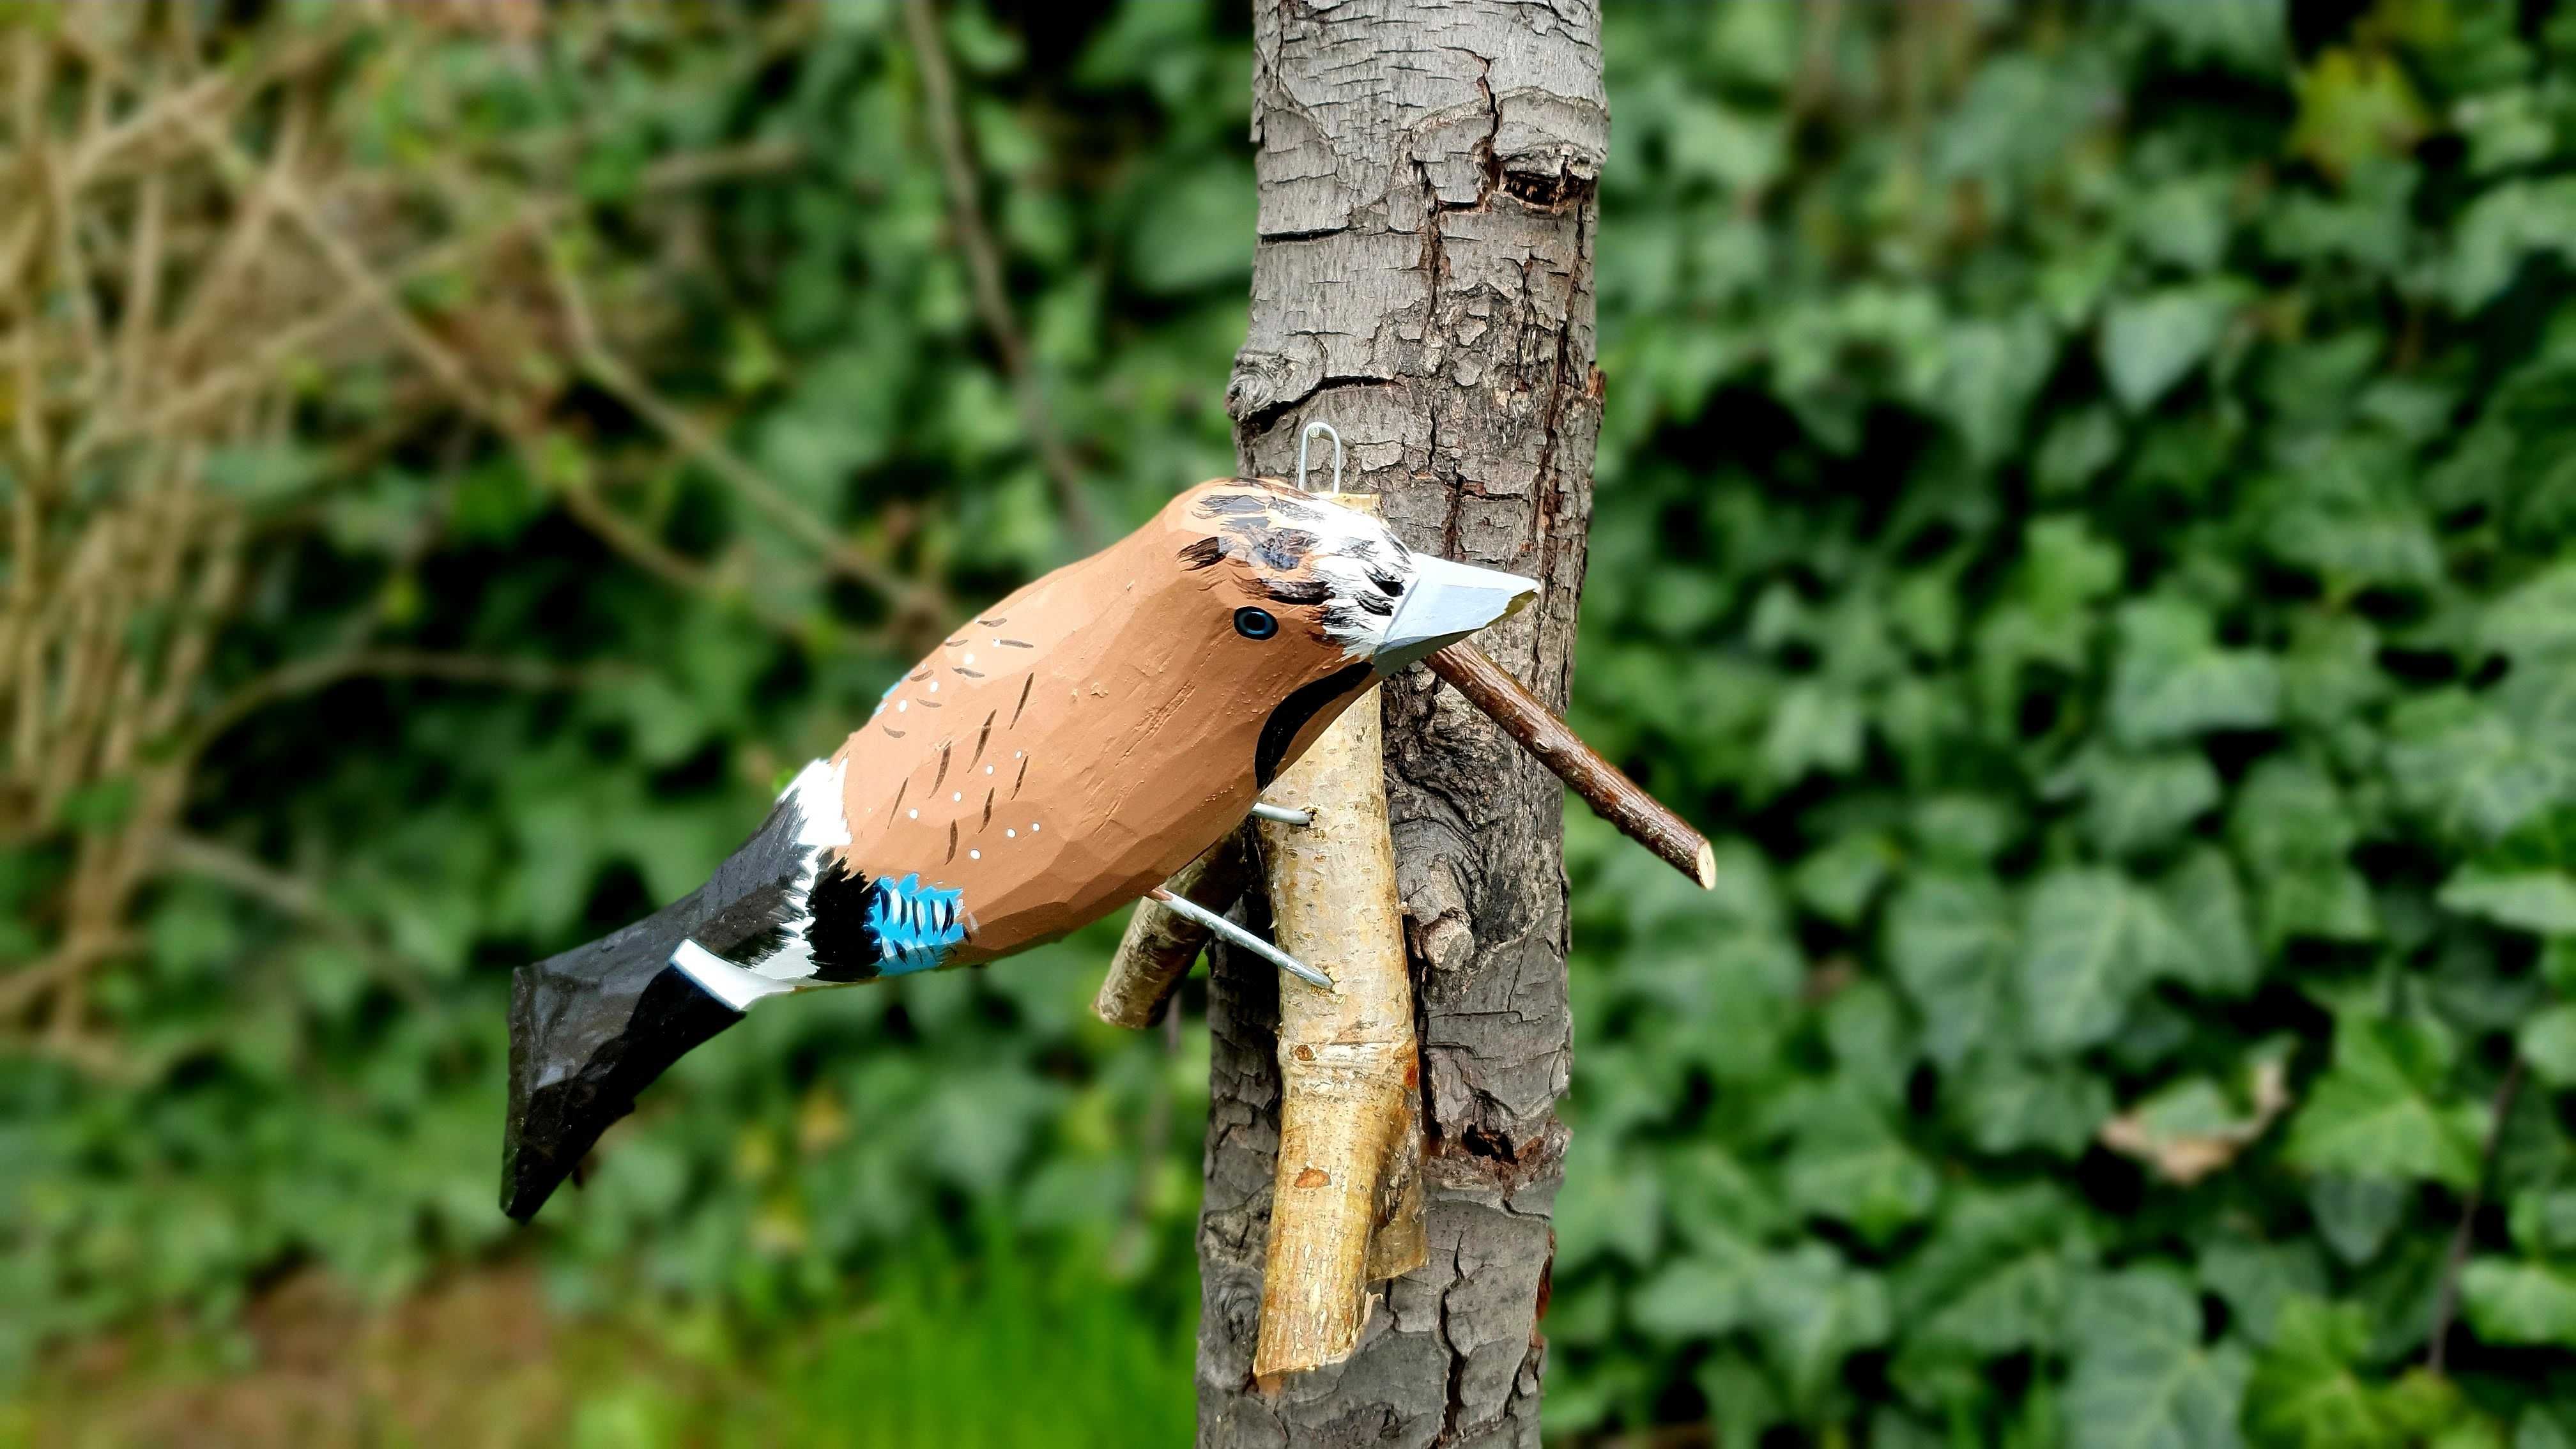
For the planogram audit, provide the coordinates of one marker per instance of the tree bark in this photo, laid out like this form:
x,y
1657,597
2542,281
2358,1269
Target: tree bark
x,y
1423,281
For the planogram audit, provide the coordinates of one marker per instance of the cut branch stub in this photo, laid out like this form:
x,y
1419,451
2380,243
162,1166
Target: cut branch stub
x,y
1346,1205
1160,944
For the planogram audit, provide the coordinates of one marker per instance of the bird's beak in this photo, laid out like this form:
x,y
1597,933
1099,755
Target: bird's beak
x,y
1446,603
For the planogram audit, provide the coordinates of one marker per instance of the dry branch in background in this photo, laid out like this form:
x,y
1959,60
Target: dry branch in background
x,y
192,253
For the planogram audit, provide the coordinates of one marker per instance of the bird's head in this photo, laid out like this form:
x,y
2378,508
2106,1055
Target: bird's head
x,y
1307,601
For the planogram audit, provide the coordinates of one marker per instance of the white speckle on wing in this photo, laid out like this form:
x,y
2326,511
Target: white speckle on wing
x,y
1010,835
912,814
974,855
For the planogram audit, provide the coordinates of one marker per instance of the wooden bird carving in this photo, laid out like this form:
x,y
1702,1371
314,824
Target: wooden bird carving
x,y
1057,757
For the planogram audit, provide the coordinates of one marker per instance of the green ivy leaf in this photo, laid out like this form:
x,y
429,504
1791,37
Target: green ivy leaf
x,y
1812,1311
2150,343
2542,902
2173,681
2520,1303
2142,1378
2383,1108
2091,941
2307,1392
1700,1296
1950,941
2548,1043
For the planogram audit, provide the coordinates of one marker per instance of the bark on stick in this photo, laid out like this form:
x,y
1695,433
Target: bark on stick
x,y
1160,944
1346,1201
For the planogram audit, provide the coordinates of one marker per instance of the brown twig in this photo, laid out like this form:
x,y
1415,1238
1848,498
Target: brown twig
x,y
1612,795
2446,1301
984,267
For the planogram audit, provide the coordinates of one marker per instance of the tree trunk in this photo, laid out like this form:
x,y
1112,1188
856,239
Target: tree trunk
x,y
1423,281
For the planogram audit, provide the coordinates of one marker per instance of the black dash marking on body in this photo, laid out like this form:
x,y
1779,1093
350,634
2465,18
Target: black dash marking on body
x,y
930,704
953,643
1015,643
890,729
904,785
919,674
952,840
996,619
1297,591
1280,730
944,747
1015,780
1206,553
969,673
986,733
988,807
1025,686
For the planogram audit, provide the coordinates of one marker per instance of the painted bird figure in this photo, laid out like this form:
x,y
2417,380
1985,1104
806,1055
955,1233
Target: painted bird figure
x,y
1057,757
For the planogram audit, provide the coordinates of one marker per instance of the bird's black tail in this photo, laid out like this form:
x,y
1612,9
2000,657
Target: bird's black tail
x,y
588,1030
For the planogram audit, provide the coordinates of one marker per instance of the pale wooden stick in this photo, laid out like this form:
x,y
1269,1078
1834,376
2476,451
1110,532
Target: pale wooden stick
x,y
1612,795
1346,1208
1161,943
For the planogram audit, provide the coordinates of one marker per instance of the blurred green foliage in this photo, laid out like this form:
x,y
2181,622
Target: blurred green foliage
x,y
2084,512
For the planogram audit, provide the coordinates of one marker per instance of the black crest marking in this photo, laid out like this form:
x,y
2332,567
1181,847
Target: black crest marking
x,y
1025,686
1205,553
1297,591
1280,730
1375,604
1387,584
1285,548
1219,505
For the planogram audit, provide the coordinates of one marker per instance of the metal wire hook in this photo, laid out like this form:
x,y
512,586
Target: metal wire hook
x,y
1302,438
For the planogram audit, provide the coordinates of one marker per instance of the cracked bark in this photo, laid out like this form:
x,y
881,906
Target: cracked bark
x,y
1423,281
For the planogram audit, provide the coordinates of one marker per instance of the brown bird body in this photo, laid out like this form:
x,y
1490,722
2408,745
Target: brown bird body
x,y
1055,758
1078,742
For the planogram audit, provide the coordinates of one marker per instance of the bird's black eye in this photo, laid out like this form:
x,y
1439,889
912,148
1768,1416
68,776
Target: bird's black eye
x,y
1255,623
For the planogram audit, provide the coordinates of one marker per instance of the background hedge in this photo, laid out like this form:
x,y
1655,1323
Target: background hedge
x,y
2086,517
